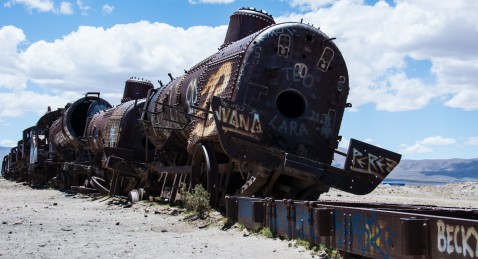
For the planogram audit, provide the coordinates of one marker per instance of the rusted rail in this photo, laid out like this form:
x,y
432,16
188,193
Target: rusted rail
x,y
366,229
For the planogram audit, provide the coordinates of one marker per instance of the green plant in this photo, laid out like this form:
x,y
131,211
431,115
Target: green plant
x,y
266,232
240,226
196,200
302,242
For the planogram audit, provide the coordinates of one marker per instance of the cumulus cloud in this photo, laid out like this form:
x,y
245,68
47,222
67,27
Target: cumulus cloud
x,y
97,59
38,5
107,9
12,70
211,1
415,149
437,140
472,141
13,104
310,5
84,8
377,40
7,143
423,146
65,8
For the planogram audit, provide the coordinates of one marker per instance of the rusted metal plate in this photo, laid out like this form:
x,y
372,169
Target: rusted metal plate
x,y
135,89
248,210
381,231
372,160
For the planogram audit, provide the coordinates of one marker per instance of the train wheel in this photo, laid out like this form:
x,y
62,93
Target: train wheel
x,y
205,170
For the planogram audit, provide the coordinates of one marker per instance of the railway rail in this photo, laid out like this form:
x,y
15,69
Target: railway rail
x,y
372,230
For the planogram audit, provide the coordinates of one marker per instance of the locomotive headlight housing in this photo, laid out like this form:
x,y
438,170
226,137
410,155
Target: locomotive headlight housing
x,y
291,103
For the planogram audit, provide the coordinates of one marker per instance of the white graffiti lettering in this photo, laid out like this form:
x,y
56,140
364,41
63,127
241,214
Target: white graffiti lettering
x,y
239,121
300,70
371,164
325,59
289,127
450,241
299,73
283,45
257,55
192,95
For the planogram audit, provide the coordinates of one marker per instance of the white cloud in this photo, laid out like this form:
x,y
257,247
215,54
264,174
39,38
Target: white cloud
x,y
44,6
465,99
38,5
310,5
83,7
415,149
376,40
12,70
211,1
437,140
7,143
66,8
13,104
472,141
96,59
423,146
107,9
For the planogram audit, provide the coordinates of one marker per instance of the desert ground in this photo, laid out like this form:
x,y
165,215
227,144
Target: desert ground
x,y
46,223
463,195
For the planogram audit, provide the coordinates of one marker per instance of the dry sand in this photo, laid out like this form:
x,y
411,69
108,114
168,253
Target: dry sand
x,y
463,195
53,224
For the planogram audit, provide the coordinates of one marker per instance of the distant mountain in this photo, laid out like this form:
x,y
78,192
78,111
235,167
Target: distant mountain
x,y
436,171
430,171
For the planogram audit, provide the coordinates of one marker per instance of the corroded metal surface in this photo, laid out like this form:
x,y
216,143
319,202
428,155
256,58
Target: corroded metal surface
x,y
366,229
135,89
67,131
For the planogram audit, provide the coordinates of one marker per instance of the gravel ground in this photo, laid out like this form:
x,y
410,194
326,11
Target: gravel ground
x,y
53,224
464,195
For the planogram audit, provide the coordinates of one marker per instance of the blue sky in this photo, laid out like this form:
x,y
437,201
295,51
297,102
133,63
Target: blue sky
x,y
412,63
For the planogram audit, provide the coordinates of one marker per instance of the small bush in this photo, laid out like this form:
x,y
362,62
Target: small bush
x,y
197,200
302,242
266,232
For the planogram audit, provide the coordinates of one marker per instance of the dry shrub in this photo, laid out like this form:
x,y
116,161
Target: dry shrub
x,y
196,200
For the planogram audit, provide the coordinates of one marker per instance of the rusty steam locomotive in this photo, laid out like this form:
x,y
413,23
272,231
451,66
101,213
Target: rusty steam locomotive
x,y
260,117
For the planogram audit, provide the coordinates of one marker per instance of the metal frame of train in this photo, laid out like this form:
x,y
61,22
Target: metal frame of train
x,y
260,117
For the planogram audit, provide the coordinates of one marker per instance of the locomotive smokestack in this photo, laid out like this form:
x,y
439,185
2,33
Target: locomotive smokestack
x,y
136,89
246,21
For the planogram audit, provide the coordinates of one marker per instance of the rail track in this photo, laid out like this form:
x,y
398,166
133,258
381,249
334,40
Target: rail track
x,y
374,230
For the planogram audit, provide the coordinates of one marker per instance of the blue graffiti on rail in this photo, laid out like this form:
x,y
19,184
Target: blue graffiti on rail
x,y
364,232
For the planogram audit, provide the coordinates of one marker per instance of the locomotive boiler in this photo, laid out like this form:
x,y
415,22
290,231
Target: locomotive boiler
x,y
115,135
261,117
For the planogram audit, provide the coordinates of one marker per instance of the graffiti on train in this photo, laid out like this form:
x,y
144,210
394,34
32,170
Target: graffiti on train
x,y
457,239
